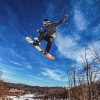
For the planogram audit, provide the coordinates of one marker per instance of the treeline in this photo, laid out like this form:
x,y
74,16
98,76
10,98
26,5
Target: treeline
x,y
84,79
42,92
74,93
82,92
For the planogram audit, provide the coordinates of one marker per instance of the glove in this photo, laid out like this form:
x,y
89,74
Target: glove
x,y
38,30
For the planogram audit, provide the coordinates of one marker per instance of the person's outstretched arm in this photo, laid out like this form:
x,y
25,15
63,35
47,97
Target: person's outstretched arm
x,y
62,20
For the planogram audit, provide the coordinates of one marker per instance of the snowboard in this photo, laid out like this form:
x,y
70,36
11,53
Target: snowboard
x,y
48,55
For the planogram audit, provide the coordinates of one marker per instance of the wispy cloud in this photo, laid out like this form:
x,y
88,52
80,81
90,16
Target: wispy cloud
x,y
70,48
29,66
89,51
22,64
54,74
66,45
16,63
4,71
80,21
35,77
95,30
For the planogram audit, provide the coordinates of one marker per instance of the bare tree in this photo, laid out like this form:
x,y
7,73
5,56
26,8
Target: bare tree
x,y
82,84
95,52
90,70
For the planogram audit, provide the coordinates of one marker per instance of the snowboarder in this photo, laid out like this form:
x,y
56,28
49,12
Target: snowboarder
x,y
49,33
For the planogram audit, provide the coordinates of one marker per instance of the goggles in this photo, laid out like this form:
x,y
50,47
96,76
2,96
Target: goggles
x,y
45,22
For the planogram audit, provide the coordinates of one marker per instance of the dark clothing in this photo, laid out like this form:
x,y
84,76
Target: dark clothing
x,y
49,44
49,33
48,39
51,29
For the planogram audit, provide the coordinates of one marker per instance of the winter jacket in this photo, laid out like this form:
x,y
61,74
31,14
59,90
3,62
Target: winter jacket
x,y
51,29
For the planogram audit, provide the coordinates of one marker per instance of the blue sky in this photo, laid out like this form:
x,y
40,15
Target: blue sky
x,y
21,63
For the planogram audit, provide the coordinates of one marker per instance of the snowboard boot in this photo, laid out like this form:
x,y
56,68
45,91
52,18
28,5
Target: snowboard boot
x,y
37,42
45,52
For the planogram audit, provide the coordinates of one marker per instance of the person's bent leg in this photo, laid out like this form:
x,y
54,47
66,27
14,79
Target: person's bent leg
x,y
41,37
49,44
39,40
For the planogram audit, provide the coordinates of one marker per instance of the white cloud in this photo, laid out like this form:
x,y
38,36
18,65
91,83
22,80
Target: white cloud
x,y
29,66
6,71
26,65
70,48
96,29
79,20
16,63
55,74
96,75
14,53
90,51
52,74
67,46
23,64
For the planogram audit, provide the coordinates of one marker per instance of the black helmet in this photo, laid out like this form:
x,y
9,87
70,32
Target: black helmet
x,y
45,20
